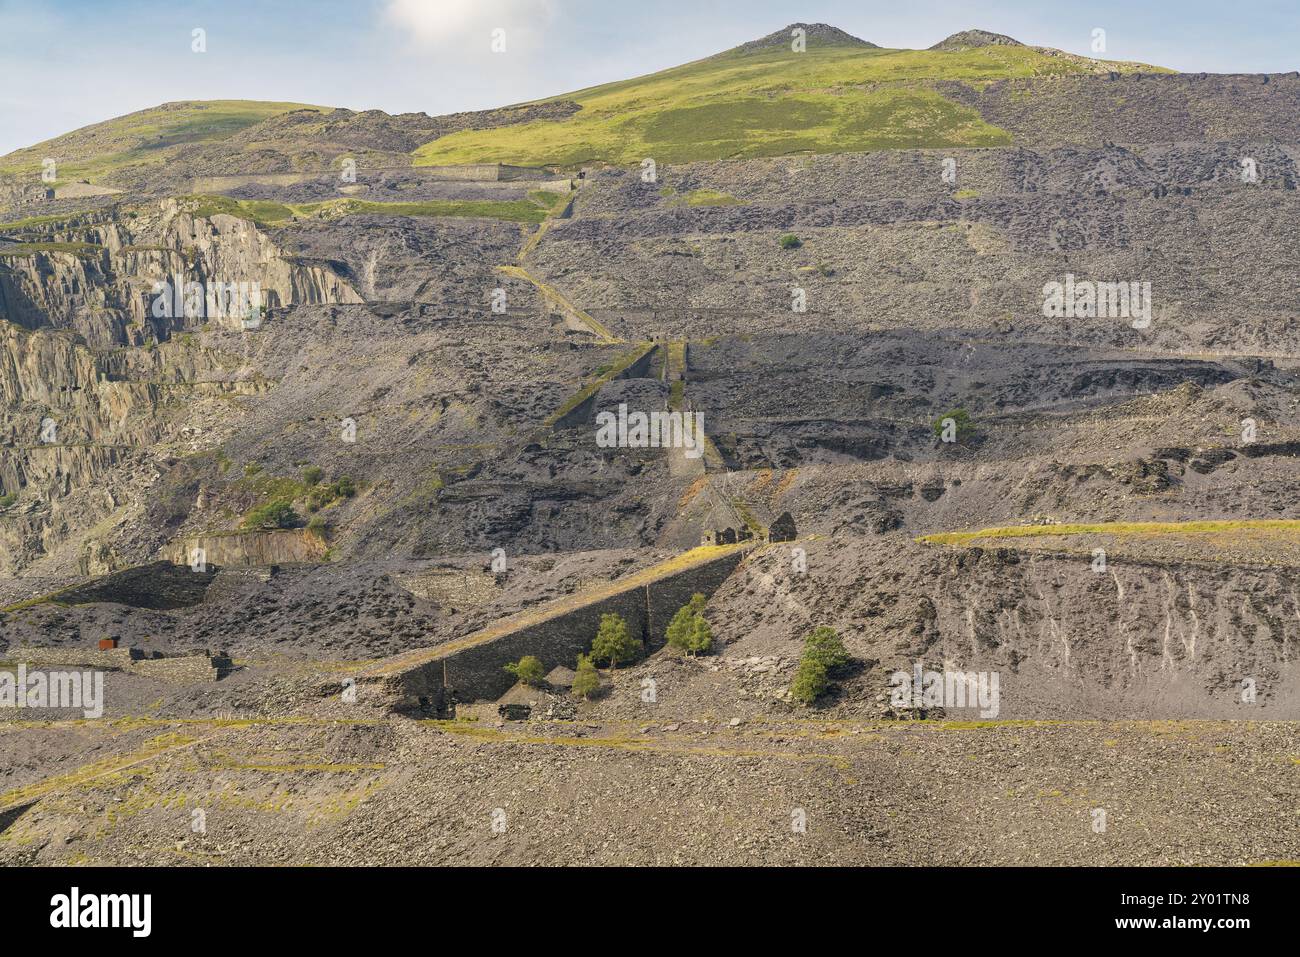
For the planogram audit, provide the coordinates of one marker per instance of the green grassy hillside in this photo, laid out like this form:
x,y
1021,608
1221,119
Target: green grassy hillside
x,y
835,97
270,213
149,136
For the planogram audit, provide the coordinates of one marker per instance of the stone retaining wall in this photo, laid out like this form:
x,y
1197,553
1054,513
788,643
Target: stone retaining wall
x,y
187,669
112,659
182,669
476,671
454,587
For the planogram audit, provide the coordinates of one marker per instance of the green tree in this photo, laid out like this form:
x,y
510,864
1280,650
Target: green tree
x,y
954,425
825,645
701,637
613,643
587,681
790,241
688,631
680,628
529,670
809,680
275,514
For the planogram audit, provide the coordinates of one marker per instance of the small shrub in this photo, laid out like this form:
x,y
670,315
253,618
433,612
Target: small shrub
x,y
825,645
823,654
587,681
790,241
8,499
962,428
701,637
251,469
322,495
613,643
318,527
688,631
810,681
529,670
275,514
319,497
312,475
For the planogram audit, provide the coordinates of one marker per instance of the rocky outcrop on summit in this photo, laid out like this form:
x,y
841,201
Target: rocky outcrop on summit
x,y
969,39
814,33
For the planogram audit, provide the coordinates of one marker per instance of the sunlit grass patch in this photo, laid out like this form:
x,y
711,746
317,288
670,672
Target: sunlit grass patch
x,y
270,213
1136,529
831,98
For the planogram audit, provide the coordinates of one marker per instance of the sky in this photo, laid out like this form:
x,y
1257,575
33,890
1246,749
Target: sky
x,y
65,64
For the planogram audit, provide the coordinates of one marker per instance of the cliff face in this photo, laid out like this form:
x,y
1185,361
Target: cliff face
x,y
1150,638
101,280
249,548
99,382
469,390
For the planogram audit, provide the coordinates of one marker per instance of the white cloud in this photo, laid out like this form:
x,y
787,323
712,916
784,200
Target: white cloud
x,y
443,23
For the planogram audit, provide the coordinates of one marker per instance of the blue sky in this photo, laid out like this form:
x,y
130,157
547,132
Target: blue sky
x,y
68,63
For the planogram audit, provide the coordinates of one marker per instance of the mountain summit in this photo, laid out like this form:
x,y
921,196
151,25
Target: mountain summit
x,y
970,39
841,94
816,34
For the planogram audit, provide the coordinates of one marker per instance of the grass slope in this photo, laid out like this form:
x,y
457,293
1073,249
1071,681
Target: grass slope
x,y
831,98
147,137
270,213
1213,527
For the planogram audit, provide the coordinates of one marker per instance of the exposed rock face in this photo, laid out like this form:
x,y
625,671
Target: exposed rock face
x,y
77,407
106,291
422,390
814,34
1142,639
249,548
969,39
470,388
